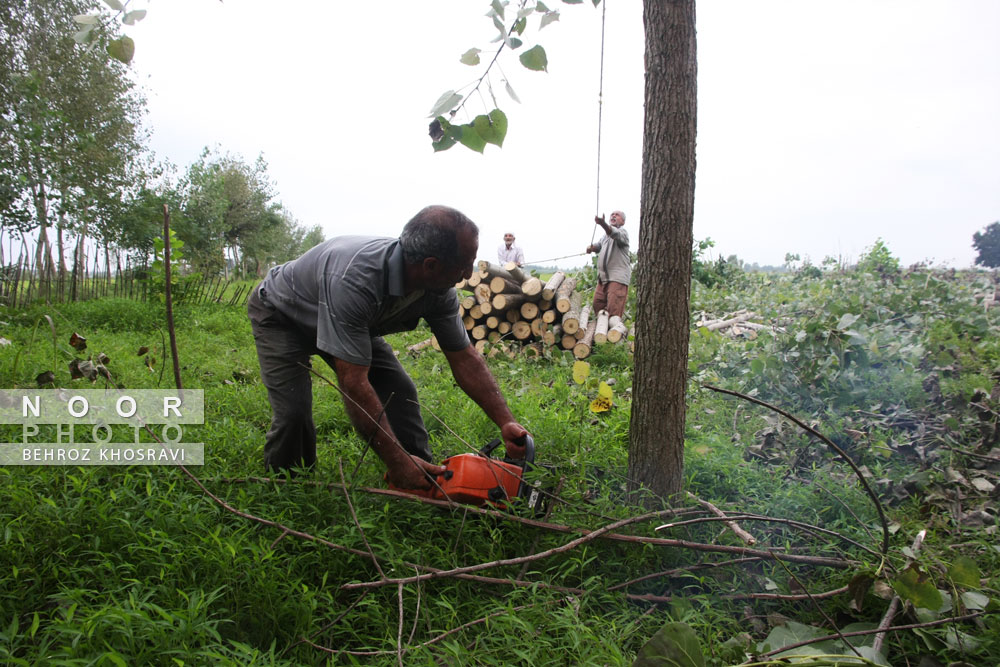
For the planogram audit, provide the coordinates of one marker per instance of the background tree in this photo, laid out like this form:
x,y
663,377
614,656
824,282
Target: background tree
x,y
70,122
987,245
230,220
663,272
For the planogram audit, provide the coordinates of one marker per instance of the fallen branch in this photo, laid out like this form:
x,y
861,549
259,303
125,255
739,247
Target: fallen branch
x,y
735,527
759,517
824,561
647,597
890,613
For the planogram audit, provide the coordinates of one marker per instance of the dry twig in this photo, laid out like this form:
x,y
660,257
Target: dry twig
x,y
735,527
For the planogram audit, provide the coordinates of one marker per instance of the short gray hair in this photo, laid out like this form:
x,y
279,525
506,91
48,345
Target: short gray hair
x,y
619,213
434,232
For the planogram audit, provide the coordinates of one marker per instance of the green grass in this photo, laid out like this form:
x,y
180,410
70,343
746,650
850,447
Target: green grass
x,y
133,565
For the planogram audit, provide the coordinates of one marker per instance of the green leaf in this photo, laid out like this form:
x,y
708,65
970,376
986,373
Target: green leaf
x,y
115,5
757,365
87,19
534,59
975,601
497,7
846,320
541,7
964,572
115,658
84,36
915,586
470,138
791,633
673,645
519,25
573,2
133,17
549,17
449,100
448,134
470,57
855,338
122,49
492,128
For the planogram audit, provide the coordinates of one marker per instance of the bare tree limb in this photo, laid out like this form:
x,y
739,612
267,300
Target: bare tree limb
x,y
838,563
735,527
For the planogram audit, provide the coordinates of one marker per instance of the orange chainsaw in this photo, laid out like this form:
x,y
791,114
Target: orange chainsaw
x,y
478,479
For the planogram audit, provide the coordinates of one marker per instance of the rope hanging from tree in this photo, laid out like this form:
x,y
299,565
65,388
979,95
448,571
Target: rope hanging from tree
x,y
600,119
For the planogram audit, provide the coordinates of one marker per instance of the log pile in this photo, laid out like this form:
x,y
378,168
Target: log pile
x,y
508,311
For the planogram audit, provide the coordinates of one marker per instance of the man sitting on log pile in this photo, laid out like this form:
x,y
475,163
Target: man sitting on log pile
x,y
337,301
614,266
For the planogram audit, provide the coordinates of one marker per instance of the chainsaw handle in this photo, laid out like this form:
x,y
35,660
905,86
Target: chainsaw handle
x,y
490,446
529,448
526,440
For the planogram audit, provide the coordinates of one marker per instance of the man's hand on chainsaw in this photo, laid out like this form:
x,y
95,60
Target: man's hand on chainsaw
x,y
412,472
513,438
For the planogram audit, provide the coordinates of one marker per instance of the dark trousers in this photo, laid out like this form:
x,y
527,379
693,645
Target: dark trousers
x,y
284,351
610,296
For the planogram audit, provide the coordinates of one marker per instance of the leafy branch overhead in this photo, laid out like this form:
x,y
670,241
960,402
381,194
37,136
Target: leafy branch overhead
x,y
120,48
491,128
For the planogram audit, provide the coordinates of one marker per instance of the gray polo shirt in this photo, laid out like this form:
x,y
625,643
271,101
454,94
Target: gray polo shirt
x,y
349,290
614,263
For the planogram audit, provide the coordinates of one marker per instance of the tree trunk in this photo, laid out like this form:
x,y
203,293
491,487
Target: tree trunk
x,y
549,291
529,311
616,329
601,333
505,301
531,287
663,273
515,271
582,349
564,293
571,318
60,247
501,285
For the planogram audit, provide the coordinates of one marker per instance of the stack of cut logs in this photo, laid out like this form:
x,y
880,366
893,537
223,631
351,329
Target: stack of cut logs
x,y
503,305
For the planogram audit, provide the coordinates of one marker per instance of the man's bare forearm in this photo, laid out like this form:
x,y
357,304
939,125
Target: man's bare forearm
x,y
367,413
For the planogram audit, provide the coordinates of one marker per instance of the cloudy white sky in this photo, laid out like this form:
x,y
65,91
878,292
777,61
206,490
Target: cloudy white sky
x,y
822,125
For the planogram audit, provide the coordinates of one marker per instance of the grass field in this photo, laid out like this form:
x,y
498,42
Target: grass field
x,y
135,565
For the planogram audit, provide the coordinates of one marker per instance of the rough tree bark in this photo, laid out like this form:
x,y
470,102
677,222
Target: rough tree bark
x,y
663,273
